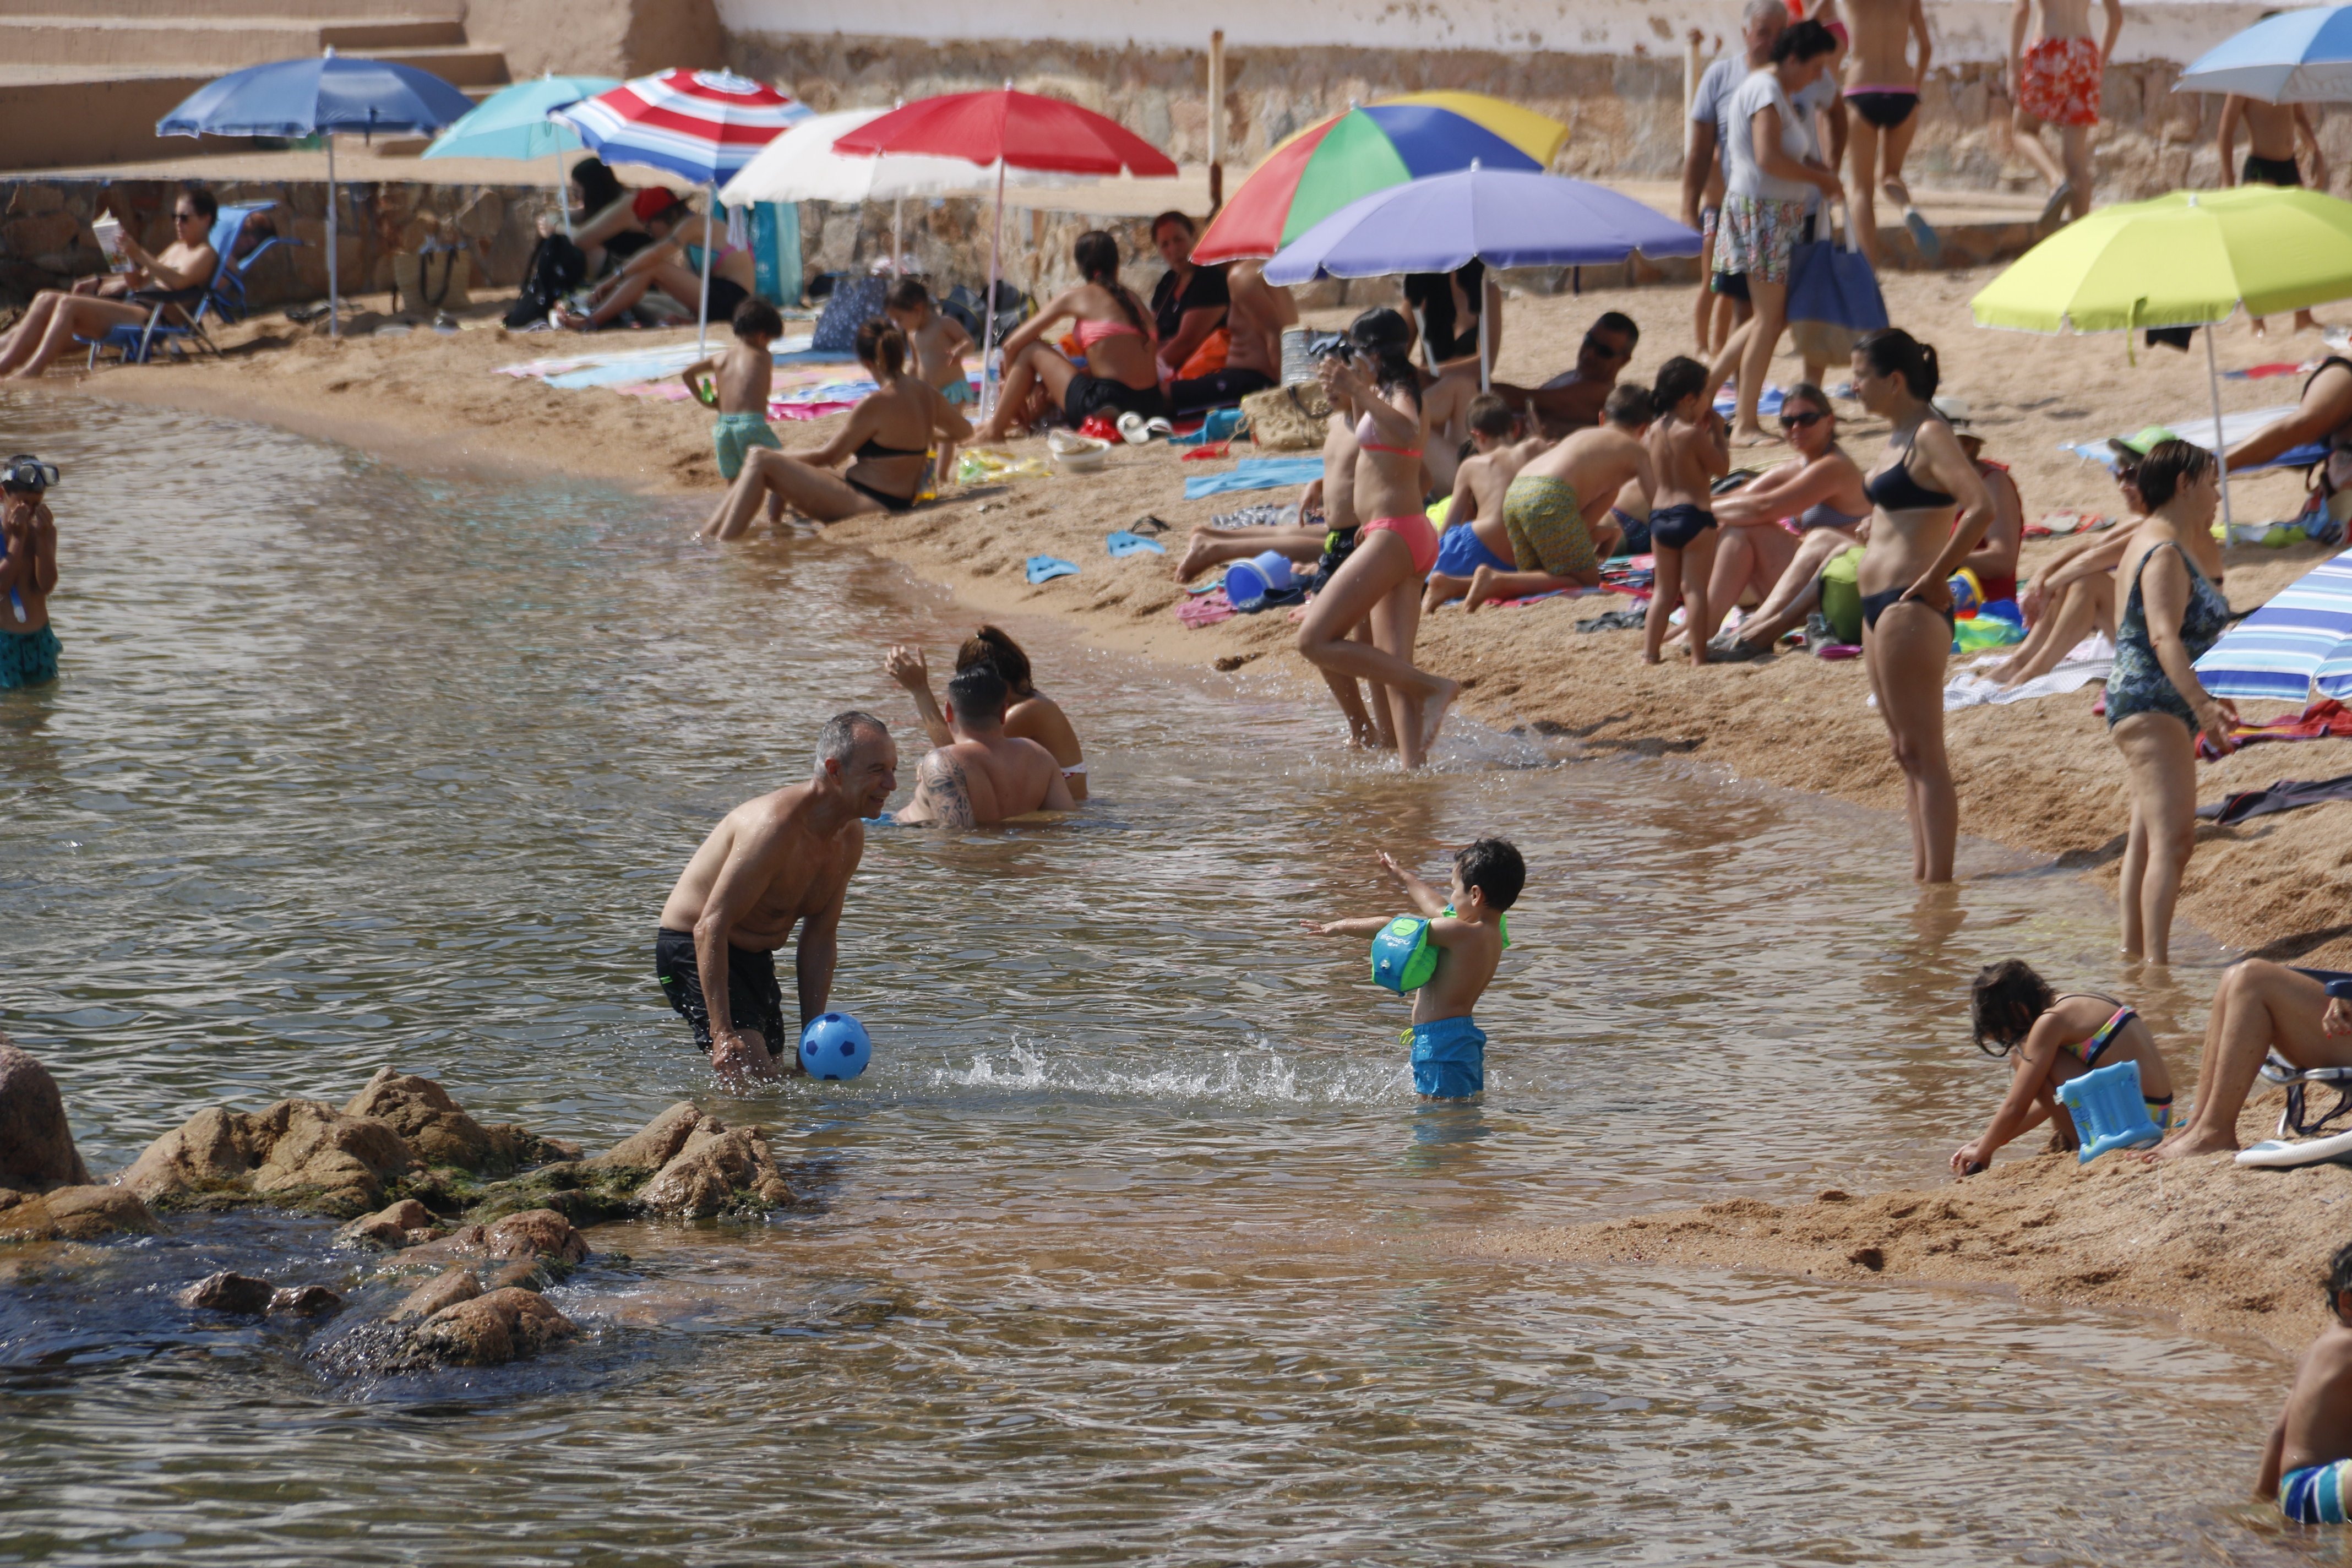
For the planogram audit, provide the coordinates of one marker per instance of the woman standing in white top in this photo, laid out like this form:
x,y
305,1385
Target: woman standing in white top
x,y
1774,166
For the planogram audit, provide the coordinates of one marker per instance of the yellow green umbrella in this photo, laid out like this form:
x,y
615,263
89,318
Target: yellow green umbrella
x,y
2186,260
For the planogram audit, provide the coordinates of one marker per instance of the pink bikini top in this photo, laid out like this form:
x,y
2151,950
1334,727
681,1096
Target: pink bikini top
x,y
1092,332
1366,429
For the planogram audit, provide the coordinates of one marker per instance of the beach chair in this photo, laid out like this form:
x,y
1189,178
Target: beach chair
x,y
2297,1119
223,297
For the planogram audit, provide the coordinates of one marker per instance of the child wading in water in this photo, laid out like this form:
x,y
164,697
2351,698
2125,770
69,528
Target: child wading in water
x,y
936,344
743,374
1687,445
2055,1037
1449,1051
2307,1464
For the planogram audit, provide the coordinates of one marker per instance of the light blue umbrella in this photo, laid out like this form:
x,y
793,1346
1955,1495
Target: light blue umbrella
x,y
2300,637
1505,218
320,97
513,123
2295,57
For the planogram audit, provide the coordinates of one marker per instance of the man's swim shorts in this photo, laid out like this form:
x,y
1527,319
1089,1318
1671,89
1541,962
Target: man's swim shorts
x,y
1449,1058
2058,82
1546,527
753,997
2314,1494
736,433
28,658
1460,553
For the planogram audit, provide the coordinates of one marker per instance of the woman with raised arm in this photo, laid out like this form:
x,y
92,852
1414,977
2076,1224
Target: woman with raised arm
x,y
1031,715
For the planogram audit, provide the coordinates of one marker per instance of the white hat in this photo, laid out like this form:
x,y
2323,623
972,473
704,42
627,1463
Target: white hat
x,y
1955,411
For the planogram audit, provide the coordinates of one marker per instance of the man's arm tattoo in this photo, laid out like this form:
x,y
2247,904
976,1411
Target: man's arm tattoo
x,y
941,784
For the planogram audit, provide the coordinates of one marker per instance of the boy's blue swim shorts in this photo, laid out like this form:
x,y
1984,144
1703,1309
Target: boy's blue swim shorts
x,y
1449,1058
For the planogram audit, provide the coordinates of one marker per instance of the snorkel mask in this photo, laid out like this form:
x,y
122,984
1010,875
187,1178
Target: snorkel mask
x,y
25,474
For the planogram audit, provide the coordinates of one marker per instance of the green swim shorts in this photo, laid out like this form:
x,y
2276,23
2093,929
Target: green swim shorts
x,y
1546,527
736,432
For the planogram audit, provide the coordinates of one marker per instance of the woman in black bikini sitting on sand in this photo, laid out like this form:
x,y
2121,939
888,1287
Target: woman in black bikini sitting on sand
x,y
886,441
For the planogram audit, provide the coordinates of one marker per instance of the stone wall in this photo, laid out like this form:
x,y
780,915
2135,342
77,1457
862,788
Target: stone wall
x,y
45,240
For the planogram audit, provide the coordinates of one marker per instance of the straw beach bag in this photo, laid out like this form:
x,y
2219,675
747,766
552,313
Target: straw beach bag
x,y
436,277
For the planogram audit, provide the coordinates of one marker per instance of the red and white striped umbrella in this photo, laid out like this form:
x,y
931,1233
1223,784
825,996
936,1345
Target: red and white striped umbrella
x,y
702,125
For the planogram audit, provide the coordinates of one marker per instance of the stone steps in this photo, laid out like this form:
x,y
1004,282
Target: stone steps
x,y
314,13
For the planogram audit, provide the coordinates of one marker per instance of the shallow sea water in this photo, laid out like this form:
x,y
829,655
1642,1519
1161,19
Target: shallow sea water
x,y
1133,1245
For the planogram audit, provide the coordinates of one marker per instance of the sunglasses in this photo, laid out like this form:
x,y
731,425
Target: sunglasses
x,y
1594,346
1800,421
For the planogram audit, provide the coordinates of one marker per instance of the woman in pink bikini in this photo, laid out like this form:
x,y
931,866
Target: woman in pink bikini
x,y
1114,333
1395,545
2055,1037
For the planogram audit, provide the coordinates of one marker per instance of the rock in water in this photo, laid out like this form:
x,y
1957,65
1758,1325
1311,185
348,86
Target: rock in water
x,y
36,1147
717,1169
302,1152
492,1330
229,1292
446,1289
441,1133
405,1224
654,1144
308,1301
71,1214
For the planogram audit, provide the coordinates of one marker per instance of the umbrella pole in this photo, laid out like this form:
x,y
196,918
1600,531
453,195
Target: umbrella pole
x,y
2213,381
702,326
897,222
562,206
334,304
988,334
1486,355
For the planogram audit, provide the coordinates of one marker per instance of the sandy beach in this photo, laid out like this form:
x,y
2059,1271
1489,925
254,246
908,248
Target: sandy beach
x,y
2217,1247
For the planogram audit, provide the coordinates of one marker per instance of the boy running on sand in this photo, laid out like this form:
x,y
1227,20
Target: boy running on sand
x,y
1474,535
743,375
1553,502
2307,1461
937,344
1449,1051
1687,445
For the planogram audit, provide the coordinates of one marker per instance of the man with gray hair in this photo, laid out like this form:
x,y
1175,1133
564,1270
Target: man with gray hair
x,y
783,859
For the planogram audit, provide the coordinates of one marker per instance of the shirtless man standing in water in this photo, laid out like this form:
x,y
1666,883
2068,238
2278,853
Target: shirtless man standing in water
x,y
2055,81
783,859
984,776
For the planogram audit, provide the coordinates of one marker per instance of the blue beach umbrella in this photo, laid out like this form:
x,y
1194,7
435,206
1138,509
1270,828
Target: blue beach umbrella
x,y
513,123
1504,217
2302,635
2296,57
320,97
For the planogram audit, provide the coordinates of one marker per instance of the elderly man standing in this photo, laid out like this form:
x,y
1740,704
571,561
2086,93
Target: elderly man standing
x,y
771,863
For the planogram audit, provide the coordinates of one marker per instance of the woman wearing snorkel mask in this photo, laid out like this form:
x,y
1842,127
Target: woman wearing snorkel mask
x,y
29,574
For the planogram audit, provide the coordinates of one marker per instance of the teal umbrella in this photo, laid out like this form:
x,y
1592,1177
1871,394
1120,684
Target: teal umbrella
x,y
513,123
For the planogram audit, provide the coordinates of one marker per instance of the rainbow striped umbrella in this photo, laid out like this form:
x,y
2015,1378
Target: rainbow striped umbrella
x,y
703,126
1350,155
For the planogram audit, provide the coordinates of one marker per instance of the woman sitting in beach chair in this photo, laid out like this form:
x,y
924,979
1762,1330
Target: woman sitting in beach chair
x,y
2053,1037
56,318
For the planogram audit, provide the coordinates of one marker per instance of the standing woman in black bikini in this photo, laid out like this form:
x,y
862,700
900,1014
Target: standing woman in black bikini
x,y
1929,508
885,440
1396,544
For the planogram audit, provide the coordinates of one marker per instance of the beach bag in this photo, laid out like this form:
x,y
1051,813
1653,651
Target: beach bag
x,y
1842,594
434,278
853,302
1833,300
1287,419
1012,308
556,268
1209,358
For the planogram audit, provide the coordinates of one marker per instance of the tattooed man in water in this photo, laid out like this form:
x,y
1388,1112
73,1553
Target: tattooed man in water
x,y
984,775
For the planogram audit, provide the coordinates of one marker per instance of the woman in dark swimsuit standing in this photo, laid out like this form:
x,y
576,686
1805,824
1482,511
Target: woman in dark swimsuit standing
x,y
886,441
1929,507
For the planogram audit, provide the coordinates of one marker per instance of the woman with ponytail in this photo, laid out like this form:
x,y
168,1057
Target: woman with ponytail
x,y
1929,507
1382,578
886,441
1122,376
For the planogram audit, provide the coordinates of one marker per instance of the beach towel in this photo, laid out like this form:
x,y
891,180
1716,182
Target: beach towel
x,y
2091,659
1767,406
1254,474
2324,719
2287,795
2234,428
1206,610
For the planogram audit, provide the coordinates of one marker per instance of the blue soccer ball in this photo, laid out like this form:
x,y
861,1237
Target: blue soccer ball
x,y
834,1047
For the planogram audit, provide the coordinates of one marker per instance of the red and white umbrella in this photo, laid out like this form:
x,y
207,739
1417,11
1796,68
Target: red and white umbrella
x,y
701,125
1008,130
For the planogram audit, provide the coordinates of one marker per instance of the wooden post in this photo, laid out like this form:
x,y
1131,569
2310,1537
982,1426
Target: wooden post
x,y
1690,77
1216,121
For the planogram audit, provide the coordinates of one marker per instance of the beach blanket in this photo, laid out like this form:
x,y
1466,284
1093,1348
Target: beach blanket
x,y
2324,719
2093,658
2287,795
1254,474
2234,428
1768,406
809,382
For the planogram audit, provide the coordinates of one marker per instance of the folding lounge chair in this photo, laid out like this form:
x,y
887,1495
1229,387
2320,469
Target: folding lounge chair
x,y
224,297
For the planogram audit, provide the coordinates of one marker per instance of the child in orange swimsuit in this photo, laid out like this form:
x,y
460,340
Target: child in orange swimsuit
x,y
2062,1037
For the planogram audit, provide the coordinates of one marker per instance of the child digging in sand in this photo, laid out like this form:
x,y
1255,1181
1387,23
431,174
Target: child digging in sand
x,y
2307,1464
937,344
1475,532
1687,448
2055,1037
1449,1051
743,375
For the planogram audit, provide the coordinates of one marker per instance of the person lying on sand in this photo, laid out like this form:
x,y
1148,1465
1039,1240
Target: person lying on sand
x,y
2308,1463
744,375
781,860
1474,535
2055,1037
1031,715
2303,1015
983,775
1449,1050
1553,500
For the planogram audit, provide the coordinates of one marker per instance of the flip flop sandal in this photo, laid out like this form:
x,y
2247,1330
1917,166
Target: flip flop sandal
x,y
1121,543
1923,234
1046,568
2056,203
1149,523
